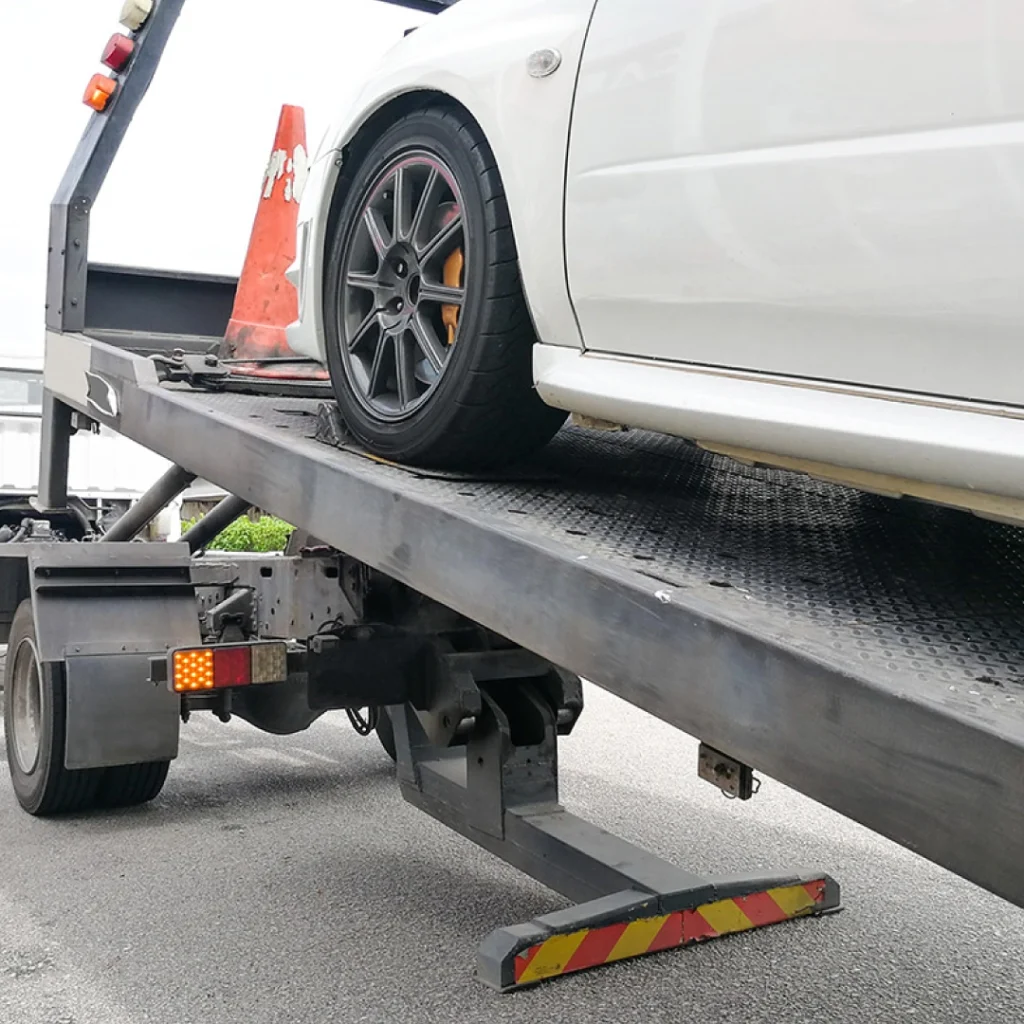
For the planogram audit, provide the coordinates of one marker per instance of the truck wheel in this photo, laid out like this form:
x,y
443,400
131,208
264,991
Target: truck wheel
x,y
386,734
429,339
131,784
34,715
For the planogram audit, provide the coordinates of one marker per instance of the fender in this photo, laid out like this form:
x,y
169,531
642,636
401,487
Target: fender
x,y
477,54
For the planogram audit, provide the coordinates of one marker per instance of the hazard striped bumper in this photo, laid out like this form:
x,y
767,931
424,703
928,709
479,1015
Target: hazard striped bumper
x,y
631,924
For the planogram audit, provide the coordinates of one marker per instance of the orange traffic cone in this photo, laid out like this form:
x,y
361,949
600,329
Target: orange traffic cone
x,y
255,343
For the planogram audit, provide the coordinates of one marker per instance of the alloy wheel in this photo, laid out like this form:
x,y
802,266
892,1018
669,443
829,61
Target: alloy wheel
x,y
403,286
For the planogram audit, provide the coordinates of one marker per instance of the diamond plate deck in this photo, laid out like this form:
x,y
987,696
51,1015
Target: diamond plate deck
x,y
864,651
901,589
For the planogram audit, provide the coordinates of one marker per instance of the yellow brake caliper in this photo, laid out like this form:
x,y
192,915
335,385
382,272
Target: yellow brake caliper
x,y
453,267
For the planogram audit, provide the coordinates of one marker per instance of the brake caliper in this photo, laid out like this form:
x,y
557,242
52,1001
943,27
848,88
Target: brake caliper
x,y
453,267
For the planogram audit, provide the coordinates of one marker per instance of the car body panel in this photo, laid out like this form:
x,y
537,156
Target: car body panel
x,y
828,189
476,53
956,445
829,281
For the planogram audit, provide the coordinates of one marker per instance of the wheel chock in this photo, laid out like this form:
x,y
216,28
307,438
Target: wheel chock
x,y
629,924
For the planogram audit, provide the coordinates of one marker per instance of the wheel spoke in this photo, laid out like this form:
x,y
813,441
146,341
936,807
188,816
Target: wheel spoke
x,y
374,385
405,374
380,237
427,342
403,205
359,279
430,198
441,243
360,333
442,293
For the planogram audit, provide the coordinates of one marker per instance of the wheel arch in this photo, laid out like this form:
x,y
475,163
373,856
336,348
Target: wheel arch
x,y
377,121
491,388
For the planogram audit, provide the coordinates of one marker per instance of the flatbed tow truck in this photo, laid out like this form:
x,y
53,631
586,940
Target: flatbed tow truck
x,y
864,651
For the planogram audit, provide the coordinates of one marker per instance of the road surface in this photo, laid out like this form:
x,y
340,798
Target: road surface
x,y
284,881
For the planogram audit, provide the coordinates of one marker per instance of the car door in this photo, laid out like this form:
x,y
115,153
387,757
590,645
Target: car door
x,y
828,189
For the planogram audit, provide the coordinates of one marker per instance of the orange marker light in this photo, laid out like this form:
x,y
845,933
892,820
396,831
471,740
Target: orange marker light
x,y
193,670
98,93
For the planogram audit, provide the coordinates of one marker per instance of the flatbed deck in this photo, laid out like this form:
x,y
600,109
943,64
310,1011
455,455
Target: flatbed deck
x,y
865,651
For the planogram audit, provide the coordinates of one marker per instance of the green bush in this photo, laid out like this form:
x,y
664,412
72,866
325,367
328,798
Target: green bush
x,y
268,533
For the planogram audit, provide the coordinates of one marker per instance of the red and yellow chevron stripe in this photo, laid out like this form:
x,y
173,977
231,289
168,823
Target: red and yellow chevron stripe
x,y
592,947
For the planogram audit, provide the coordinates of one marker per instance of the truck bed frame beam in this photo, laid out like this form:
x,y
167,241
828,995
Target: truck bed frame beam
x,y
752,682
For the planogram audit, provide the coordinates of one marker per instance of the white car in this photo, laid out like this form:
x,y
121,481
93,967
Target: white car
x,y
789,230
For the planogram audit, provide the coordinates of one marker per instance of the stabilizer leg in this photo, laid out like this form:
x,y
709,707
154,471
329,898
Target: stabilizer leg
x,y
488,768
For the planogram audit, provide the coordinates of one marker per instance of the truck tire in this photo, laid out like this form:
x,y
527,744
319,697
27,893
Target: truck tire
x,y
428,336
35,707
386,734
131,784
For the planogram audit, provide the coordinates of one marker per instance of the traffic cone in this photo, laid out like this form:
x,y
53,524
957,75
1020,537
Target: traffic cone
x,y
255,343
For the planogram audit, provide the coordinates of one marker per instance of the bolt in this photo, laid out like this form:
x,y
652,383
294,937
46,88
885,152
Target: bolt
x,y
401,268
399,306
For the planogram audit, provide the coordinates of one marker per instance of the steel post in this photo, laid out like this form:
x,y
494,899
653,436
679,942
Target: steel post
x,y
223,514
54,451
157,498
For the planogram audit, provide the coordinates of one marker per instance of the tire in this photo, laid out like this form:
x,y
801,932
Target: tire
x,y
478,408
386,734
131,784
42,785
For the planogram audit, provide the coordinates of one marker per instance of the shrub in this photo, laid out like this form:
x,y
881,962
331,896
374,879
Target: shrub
x,y
267,533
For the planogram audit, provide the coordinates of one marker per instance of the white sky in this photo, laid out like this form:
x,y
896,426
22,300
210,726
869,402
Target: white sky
x,y
183,191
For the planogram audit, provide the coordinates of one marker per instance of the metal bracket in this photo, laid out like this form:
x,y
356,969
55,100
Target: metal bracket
x,y
734,778
198,371
367,666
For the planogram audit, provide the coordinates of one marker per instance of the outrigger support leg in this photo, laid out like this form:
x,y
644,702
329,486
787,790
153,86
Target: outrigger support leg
x,y
484,761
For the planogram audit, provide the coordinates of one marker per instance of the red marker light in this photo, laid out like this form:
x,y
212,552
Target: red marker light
x,y
98,93
118,52
231,666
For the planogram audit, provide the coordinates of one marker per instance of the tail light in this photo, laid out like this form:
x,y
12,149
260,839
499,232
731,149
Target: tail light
x,y
201,669
98,92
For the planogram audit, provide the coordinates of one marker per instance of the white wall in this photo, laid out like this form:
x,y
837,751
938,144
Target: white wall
x,y
101,466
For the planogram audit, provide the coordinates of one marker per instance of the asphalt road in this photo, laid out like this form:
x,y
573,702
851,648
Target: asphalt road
x,y
285,881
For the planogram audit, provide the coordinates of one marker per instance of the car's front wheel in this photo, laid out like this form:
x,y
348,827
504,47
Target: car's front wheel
x,y
429,339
